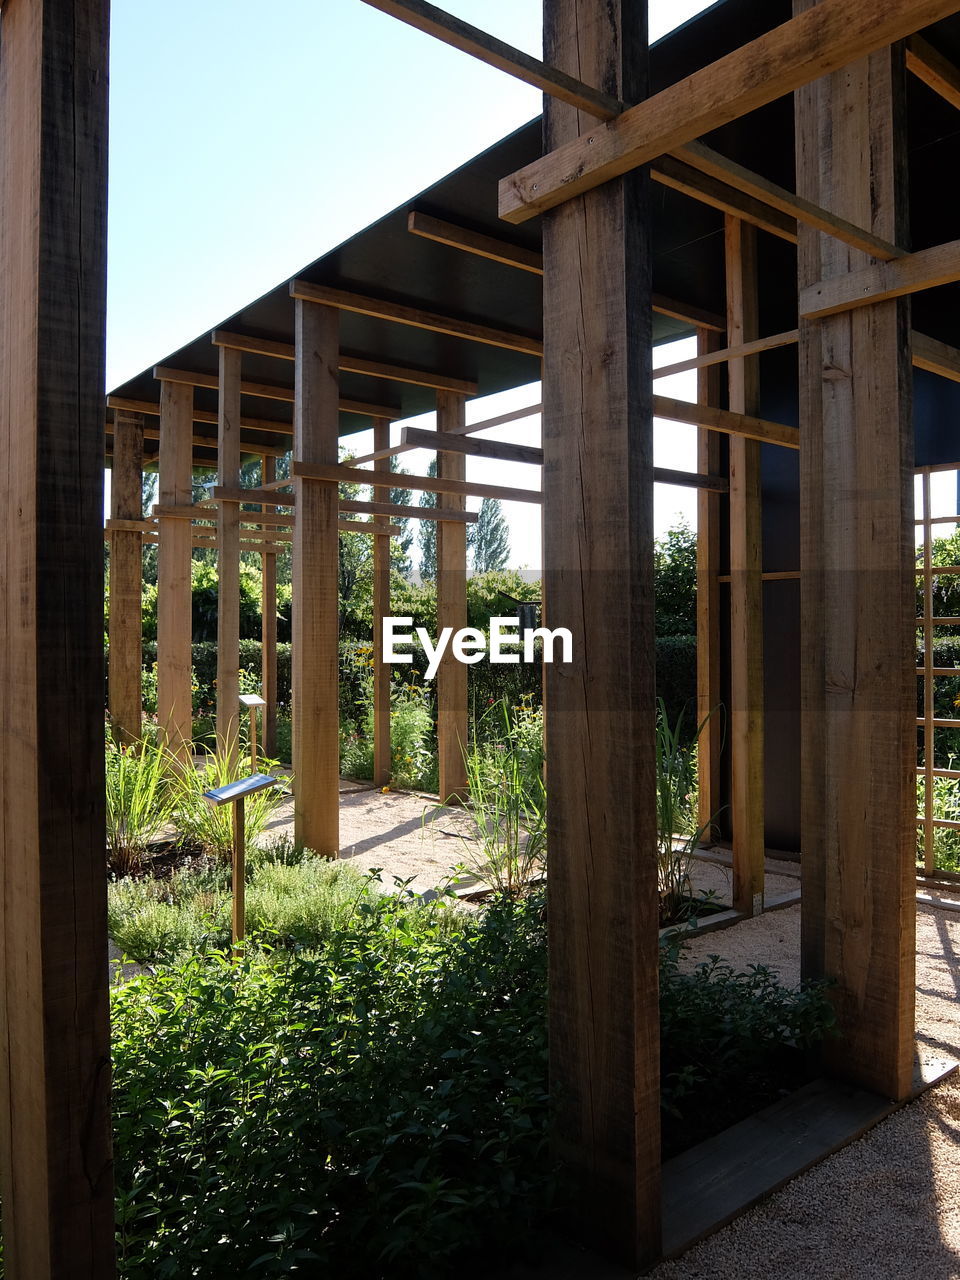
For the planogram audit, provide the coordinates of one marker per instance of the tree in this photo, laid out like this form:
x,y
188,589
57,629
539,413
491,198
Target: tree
x,y
489,538
428,534
675,582
400,546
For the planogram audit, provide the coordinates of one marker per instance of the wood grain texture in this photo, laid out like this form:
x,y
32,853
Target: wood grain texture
x,y
814,43
672,172
174,586
316,671
858,592
56,1179
937,72
742,425
502,450
126,579
598,563
268,630
268,391
451,611
710,712
880,281
382,758
228,559
421,484
746,587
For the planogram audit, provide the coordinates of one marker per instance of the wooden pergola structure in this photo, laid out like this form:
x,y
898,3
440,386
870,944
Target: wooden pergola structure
x,y
829,246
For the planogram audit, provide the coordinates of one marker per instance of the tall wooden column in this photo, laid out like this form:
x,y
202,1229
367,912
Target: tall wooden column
x,y
746,582
709,710
228,556
451,611
598,561
268,628
56,1181
126,578
316,595
174,561
858,591
381,608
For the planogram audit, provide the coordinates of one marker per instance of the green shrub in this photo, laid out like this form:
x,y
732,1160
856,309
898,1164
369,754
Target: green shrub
x,y
139,802
211,829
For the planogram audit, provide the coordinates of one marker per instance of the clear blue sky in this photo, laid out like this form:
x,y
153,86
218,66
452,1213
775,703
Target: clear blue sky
x,y
247,140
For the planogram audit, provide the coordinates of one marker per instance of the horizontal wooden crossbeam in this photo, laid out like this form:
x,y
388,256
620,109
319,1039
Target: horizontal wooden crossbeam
x,y
682,177
496,53
270,391
501,450
937,72
417,318
729,353
911,274
723,420
423,484
396,511
936,357
347,362
691,480
820,40
467,429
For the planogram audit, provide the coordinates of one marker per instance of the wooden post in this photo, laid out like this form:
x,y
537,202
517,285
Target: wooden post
x,y
316,717
598,561
228,558
746,584
126,578
451,611
174,563
709,710
239,874
56,1181
858,590
268,630
382,760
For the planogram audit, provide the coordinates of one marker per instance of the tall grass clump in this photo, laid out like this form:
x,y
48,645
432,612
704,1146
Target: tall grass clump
x,y
210,829
678,832
139,802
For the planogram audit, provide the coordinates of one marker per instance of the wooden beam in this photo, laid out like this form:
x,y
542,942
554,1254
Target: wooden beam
x,y
598,579
451,609
228,560
924,270
672,172
710,713
469,428
126,580
858,592
382,757
691,480
316,587
415,317
420,484
501,450
935,357
746,587
348,363
395,510
56,1177
711,354
936,71
823,39
714,165
271,391
174,586
725,420
496,53
483,246
684,311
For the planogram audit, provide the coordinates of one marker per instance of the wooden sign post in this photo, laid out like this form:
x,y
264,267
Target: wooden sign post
x,y
235,793
252,701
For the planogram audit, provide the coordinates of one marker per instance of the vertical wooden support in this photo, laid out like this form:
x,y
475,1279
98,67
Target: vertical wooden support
x,y
268,630
228,557
316,548
56,1182
709,709
451,611
126,578
382,762
746,583
174,562
858,589
598,560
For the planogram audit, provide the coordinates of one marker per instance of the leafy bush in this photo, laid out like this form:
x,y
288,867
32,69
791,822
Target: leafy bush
x,y
139,802
675,581
210,829
378,1109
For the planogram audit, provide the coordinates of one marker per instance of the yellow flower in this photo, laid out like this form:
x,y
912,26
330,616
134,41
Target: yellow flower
x,y
384,790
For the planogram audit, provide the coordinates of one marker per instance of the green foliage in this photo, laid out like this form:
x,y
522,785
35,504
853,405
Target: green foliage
x,y
677,831
486,591
210,829
676,667
507,799
675,582
730,1042
378,1109
139,802
489,539
413,763
427,534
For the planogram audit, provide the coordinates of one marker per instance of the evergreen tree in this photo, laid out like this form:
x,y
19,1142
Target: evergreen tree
x,y
489,538
400,546
428,534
